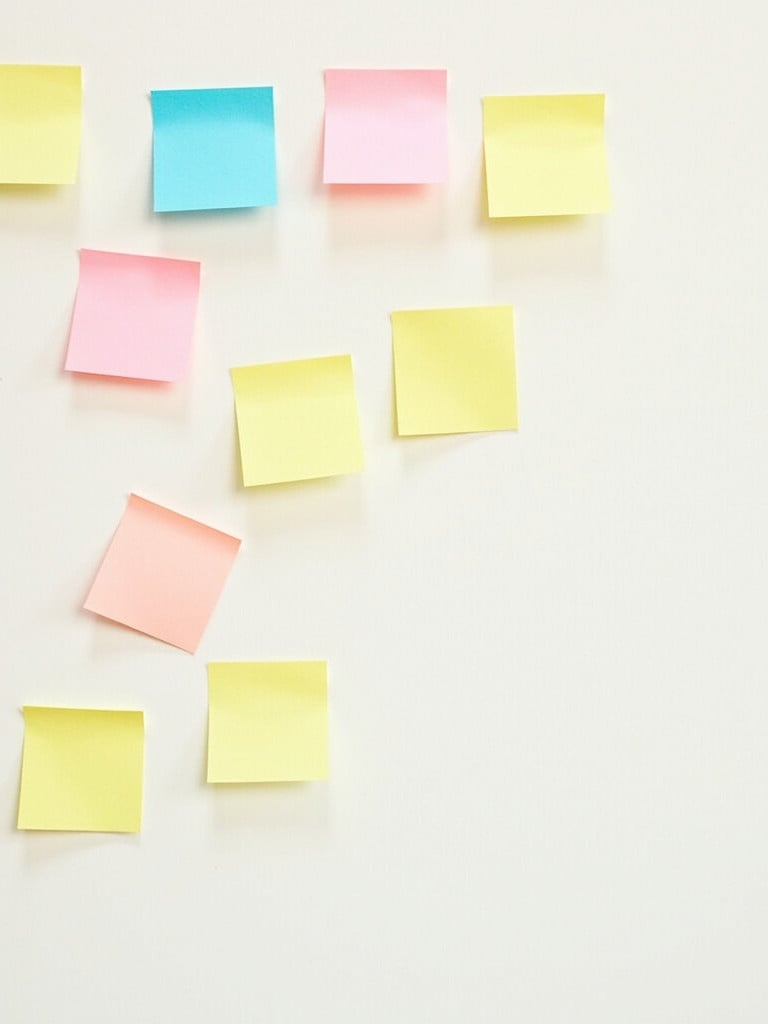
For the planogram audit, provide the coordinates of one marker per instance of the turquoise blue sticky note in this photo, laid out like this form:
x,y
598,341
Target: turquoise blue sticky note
x,y
213,149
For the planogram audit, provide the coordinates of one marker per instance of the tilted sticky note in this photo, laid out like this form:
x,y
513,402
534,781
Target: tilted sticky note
x,y
134,316
82,770
385,127
267,721
162,574
213,149
454,370
297,420
545,155
40,114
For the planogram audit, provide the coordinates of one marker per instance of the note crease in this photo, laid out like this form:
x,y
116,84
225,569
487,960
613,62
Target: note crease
x,y
134,316
454,370
82,770
385,127
545,155
162,574
213,149
297,420
40,116
267,721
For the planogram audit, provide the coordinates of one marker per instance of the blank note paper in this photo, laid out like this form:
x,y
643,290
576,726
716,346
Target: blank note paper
x,y
213,149
40,114
454,370
267,721
162,574
297,420
545,155
385,127
134,316
82,770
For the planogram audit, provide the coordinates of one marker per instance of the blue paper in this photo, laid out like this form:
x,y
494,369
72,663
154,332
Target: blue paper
x,y
214,149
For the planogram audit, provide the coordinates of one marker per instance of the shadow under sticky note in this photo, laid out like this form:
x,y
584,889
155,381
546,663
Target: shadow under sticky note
x,y
213,149
454,370
267,721
40,116
385,127
162,574
134,316
297,420
82,770
545,155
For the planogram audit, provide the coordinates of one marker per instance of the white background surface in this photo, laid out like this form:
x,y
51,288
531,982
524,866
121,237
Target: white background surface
x,y
547,660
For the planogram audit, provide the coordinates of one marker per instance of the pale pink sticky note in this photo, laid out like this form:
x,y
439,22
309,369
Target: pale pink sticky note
x,y
162,574
134,316
385,127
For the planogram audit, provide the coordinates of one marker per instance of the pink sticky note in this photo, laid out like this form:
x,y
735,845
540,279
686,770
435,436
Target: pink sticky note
x,y
134,316
162,574
385,127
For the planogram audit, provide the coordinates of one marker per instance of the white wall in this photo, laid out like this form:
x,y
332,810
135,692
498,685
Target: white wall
x,y
547,656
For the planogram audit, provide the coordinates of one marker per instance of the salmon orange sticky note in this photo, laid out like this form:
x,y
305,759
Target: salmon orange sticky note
x,y
385,127
267,721
162,574
40,114
213,149
297,420
545,155
454,370
134,316
82,770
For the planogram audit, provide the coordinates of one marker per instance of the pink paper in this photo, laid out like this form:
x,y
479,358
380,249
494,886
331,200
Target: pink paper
x,y
134,316
385,127
162,574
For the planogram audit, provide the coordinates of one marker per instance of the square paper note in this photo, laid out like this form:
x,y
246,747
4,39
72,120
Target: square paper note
x,y
385,127
297,420
267,721
162,574
40,112
454,370
545,155
134,316
213,148
82,770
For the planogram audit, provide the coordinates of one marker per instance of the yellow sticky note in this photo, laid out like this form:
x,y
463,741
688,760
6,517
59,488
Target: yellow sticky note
x,y
267,721
454,370
82,770
545,155
40,113
297,420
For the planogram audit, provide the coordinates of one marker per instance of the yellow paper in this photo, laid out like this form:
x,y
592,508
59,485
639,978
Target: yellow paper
x,y
454,370
82,770
297,420
545,155
267,721
40,112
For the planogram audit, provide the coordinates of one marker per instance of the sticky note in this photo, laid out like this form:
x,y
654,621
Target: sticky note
x,y
213,149
82,770
134,316
385,127
454,370
545,155
297,420
162,574
267,721
40,114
